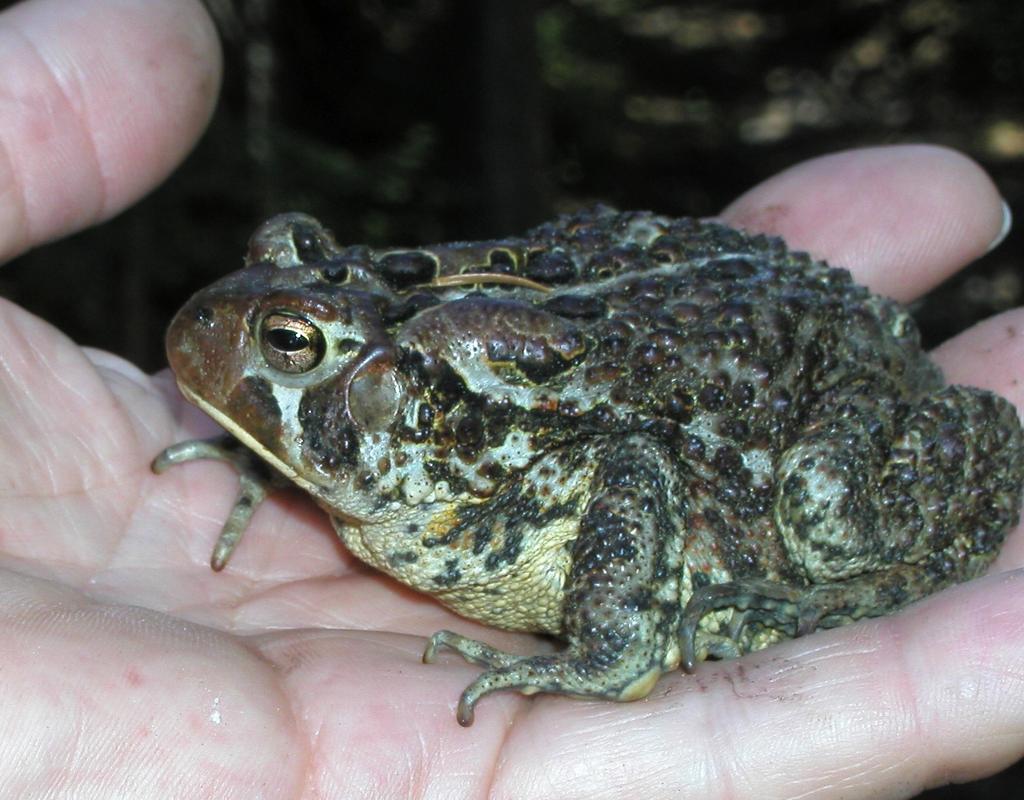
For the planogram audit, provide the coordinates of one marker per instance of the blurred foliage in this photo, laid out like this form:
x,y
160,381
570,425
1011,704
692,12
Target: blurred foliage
x,y
418,120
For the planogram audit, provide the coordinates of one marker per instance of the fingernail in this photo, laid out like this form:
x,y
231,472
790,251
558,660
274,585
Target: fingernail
x,y
1003,231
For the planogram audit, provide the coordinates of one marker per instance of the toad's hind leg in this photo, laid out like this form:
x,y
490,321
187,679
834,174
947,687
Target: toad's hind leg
x,y
622,605
939,491
880,506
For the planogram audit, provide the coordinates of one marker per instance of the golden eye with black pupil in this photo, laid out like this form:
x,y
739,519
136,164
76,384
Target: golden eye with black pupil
x,y
291,344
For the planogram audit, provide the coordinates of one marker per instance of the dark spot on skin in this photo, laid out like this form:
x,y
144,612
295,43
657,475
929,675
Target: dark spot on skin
x,y
728,460
660,428
335,273
469,433
425,415
615,340
568,408
603,417
204,315
538,358
405,269
254,408
509,551
742,395
550,268
731,269
650,355
666,249
667,341
577,306
734,428
699,580
680,405
502,261
401,557
491,471
616,260
686,312
734,313
711,397
451,575
328,438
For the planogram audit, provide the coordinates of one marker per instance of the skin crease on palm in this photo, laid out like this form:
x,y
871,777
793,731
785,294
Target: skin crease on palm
x,y
129,669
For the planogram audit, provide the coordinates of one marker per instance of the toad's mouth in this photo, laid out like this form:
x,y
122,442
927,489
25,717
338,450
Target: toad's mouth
x,y
243,436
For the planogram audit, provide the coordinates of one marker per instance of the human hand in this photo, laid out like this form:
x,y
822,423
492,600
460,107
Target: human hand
x,y
138,672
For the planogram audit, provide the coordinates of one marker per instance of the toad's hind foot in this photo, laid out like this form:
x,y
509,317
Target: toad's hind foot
x,y
569,673
473,651
797,611
772,602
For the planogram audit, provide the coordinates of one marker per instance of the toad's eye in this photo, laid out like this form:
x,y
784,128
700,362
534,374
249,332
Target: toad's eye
x,y
291,344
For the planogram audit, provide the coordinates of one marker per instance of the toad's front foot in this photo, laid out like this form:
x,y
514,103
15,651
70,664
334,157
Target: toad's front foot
x,y
254,477
572,672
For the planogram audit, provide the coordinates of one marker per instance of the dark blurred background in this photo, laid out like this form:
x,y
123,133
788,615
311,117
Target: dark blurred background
x,y
407,121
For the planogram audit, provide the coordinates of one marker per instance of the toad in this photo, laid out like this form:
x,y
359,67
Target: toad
x,y
658,440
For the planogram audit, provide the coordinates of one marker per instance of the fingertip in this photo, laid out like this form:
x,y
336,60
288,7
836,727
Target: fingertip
x,y
179,64
989,355
104,99
1004,230
902,218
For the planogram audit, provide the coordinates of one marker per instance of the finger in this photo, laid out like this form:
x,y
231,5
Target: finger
x,y
101,100
900,218
880,709
989,355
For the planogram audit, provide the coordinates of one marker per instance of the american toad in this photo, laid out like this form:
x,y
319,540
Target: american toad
x,y
659,440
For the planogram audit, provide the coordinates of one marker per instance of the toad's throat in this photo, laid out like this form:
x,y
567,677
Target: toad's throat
x,y
286,469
